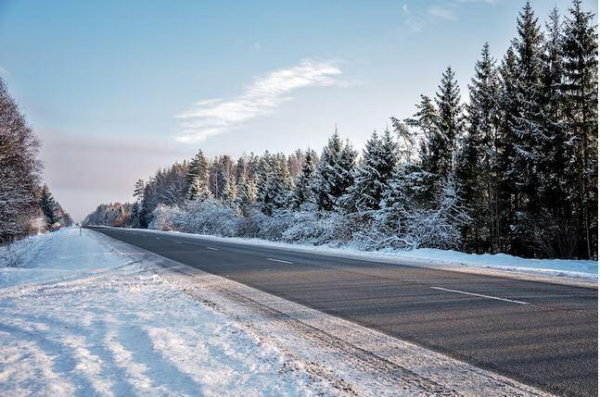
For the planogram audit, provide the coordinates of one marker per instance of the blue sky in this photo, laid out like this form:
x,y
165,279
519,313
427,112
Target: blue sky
x,y
116,89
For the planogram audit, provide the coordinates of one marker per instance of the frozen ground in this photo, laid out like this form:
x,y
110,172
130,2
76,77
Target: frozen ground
x,y
87,315
576,270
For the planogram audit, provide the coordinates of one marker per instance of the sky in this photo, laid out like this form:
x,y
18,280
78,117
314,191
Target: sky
x,y
117,89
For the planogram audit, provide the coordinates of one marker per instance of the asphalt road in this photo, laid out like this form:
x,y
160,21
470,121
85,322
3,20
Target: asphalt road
x,y
541,334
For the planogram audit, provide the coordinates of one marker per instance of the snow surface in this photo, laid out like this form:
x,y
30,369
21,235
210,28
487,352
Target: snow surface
x,y
78,318
583,270
88,315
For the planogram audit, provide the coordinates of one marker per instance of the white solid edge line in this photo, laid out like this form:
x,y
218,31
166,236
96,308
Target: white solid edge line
x,y
280,261
212,248
480,295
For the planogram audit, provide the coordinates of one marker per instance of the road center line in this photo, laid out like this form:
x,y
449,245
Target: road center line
x,y
480,295
212,248
280,261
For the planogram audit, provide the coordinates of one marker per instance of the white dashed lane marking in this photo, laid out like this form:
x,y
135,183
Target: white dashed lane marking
x,y
480,295
280,261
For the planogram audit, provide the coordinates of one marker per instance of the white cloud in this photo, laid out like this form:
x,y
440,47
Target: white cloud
x,y
441,12
412,21
262,97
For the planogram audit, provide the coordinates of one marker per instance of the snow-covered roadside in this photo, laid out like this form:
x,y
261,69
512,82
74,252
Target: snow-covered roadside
x,y
88,315
560,270
78,318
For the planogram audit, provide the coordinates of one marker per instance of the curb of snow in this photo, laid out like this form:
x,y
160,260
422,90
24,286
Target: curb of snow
x,y
359,360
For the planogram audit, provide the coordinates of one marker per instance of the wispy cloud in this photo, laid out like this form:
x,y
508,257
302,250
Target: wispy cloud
x,y
214,116
445,12
412,21
442,10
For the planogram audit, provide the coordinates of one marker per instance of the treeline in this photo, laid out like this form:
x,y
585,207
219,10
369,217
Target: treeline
x,y
113,214
514,170
26,205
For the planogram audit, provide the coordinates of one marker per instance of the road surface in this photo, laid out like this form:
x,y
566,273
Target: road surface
x,y
541,334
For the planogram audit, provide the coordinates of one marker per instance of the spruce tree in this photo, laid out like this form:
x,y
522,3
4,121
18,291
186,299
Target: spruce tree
x,y
197,178
376,168
280,183
475,168
302,191
245,195
263,171
438,157
580,89
334,173
421,177
48,206
526,129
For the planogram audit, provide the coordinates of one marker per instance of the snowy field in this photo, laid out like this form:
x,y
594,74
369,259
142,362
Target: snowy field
x,y
585,271
87,315
77,318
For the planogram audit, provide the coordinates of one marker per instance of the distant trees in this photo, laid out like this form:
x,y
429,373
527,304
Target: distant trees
x,y
113,214
512,170
23,202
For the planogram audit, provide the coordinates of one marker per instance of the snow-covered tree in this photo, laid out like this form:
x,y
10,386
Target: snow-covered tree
x,y
48,206
334,173
197,178
373,173
19,170
580,89
303,194
476,165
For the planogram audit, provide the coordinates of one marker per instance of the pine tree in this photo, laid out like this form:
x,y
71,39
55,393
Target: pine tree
x,y
263,175
438,157
553,224
581,95
245,195
138,189
197,178
526,129
302,192
475,168
48,206
419,178
280,183
449,121
506,180
19,170
334,173
376,168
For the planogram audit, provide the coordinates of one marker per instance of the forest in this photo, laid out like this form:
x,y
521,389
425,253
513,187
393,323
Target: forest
x,y
513,170
26,204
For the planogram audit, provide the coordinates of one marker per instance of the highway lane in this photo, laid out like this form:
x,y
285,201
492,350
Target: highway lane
x,y
542,334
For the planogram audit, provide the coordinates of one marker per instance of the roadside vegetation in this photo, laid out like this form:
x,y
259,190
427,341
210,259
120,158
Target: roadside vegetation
x,y
26,204
514,170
